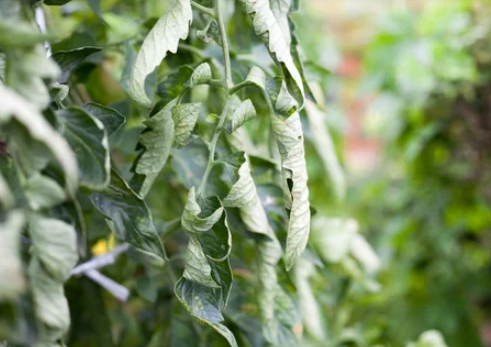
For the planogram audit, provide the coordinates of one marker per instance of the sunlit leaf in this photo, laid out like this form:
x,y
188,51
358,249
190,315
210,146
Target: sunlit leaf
x,y
163,38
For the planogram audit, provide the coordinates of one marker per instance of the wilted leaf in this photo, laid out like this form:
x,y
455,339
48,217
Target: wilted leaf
x,y
55,245
157,140
294,171
12,281
88,138
128,216
269,29
163,38
12,105
242,114
325,149
43,192
51,305
185,117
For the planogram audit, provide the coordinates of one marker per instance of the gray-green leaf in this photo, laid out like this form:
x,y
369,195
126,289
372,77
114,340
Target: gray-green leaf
x,y
55,245
163,38
157,140
269,29
294,171
185,117
191,220
88,138
13,105
242,114
128,216
43,192
12,281
51,305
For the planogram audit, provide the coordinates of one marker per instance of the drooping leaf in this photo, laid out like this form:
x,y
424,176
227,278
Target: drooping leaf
x,y
294,172
111,118
12,105
12,281
242,114
206,283
67,60
128,216
270,30
88,138
29,71
157,140
325,149
55,245
163,38
191,220
185,117
51,305
43,192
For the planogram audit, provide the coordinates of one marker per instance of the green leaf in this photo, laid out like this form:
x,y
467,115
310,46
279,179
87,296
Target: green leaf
x,y
88,138
27,72
51,305
294,171
174,83
185,117
6,194
204,303
191,219
14,34
128,216
179,82
13,105
257,77
111,118
197,267
278,42
163,38
67,60
325,149
43,192
242,114
55,245
157,140
11,269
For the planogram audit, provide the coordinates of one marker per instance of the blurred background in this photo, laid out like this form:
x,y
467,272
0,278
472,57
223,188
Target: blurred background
x,y
408,105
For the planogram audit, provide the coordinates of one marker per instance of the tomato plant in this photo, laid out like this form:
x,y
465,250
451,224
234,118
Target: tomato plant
x,y
122,133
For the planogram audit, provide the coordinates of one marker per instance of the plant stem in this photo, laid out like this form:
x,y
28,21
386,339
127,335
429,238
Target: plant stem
x,y
229,85
226,52
203,9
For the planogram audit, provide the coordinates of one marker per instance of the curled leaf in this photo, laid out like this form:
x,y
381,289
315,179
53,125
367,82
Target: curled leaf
x,y
185,117
13,105
163,38
242,114
269,29
294,172
191,219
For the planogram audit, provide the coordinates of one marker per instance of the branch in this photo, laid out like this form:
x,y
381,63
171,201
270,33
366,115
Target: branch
x,y
203,9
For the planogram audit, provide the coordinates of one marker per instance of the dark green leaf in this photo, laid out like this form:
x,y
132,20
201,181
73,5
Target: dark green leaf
x,y
88,138
128,216
111,118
